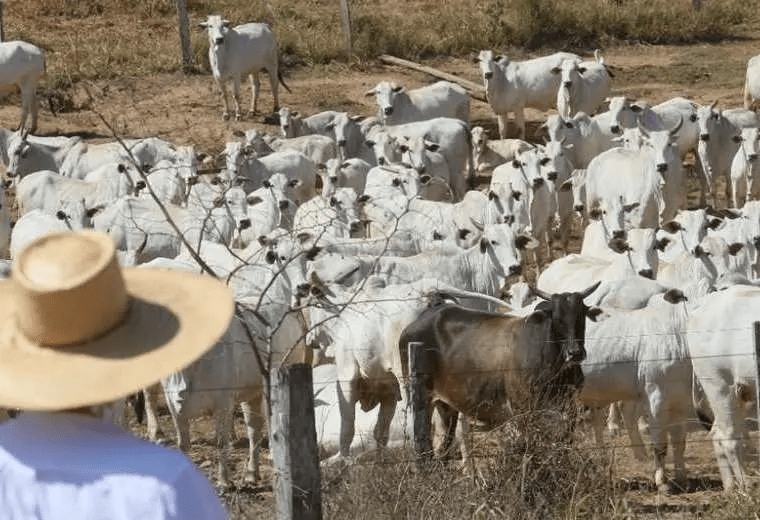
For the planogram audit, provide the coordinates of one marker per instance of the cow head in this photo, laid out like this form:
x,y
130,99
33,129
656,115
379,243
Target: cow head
x,y
217,30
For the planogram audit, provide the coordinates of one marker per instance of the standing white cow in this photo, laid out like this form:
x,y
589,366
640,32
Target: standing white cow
x,y
752,84
236,51
441,99
745,168
718,143
513,85
584,85
22,65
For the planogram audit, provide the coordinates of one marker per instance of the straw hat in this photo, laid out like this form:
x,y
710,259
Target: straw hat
x,y
76,329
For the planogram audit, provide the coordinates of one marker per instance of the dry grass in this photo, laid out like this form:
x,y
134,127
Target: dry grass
x,y
97,39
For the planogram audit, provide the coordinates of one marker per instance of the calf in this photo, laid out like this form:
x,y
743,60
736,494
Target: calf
x,y
745,168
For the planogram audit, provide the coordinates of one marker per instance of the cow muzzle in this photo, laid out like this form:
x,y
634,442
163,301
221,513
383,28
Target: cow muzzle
x,y
388,111
515,269
567,84
618,234
615,129
662,167
704,137
219,40
488,75
579,208
752,157
342,143
552,176
244,224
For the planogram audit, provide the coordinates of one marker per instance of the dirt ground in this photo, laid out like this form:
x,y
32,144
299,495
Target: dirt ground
x,y
187,111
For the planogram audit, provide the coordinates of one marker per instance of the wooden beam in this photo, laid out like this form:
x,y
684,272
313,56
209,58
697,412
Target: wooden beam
x,y
475,90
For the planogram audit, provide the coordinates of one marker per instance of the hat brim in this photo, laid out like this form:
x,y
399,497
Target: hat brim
x,y
174,318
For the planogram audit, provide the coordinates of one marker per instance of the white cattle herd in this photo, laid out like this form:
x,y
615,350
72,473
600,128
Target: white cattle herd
x,y
347,236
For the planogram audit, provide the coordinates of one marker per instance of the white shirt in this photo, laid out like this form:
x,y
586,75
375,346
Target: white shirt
x,y
73,467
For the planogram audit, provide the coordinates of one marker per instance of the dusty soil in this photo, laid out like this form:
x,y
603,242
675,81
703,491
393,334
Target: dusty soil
x,y
187,110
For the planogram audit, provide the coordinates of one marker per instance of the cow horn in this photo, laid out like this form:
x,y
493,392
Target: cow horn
x,y
714,104
478,225
591,289
678,125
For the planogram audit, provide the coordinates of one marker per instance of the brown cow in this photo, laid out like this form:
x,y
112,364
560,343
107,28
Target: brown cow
x,y
489,366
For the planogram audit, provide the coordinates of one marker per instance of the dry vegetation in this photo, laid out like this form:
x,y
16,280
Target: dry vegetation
x,y
126,53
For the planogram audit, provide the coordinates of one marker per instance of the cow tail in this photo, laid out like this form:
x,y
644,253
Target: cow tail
x,y
699,401
472,181
281,80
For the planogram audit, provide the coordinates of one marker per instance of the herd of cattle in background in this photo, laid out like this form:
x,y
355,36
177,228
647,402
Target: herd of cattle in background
x,y
403,243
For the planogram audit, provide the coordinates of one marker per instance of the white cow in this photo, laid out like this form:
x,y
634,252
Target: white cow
x,y
636,256
268,208
426,158
318,148
752,84
68,215
242,50
348,134
243,163
45,189
584,85
292,124
641,355
330,217
22,65
582,136
27,153
718,143
513,85
451,135
396,106
745,168
349,173
721,346
487,154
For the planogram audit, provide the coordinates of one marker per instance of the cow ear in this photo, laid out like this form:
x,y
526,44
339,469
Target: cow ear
x,y
330,125
523,241
714,223
266,183
566,186
252,200
636,108
515,163
492,195
619,246
321,167
425,179
735,248
671,226
630,207
363,198
516,195
737,139
674,296
661,244
301,237
581,70
437,235
432,147
595,313
93,211
537,317
397,89
263,240
312,253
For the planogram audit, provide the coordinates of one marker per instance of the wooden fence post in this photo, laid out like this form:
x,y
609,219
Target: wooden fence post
x,y
419,371
184,36
293,441
345,20
2,24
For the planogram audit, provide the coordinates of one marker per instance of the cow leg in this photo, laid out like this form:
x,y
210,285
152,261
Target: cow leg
x,y
444,420
151,412
274,83
384,417
255,87
236,97
225,101
503,122
254,427
520,122
677,432
727,190
347,398
223,431
629,411
465,443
